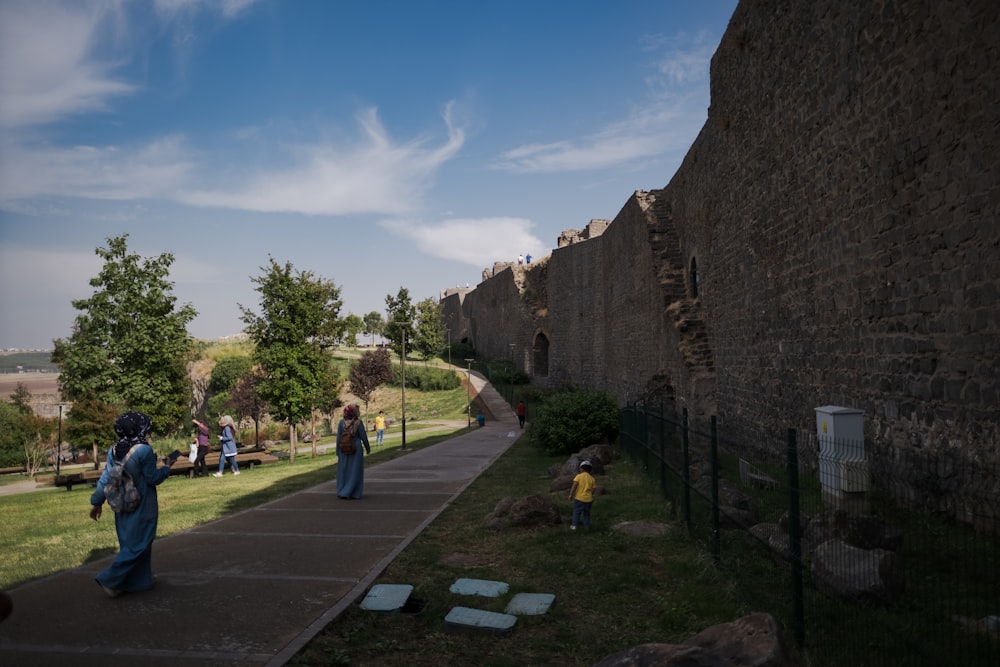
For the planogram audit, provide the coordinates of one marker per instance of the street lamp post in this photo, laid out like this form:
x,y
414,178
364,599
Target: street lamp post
x,y
468,390
59,441
402,371
449,347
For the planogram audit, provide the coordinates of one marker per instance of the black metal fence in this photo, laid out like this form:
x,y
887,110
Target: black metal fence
x,y
862,561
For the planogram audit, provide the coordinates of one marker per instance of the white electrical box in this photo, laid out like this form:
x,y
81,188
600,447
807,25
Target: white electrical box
x,y
843,466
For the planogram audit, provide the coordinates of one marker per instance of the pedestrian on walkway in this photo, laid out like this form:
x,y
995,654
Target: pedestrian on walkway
x,y
200,467
582,495
379,428
132,569
351,466
228,440
522,413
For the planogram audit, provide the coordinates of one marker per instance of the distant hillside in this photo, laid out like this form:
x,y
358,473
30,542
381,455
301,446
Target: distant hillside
x,y
29,362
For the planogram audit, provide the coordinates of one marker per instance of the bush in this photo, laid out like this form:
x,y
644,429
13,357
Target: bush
x,y
568,421
425,378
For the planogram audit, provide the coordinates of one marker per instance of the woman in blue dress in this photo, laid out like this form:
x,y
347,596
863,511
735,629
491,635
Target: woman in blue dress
x,y
351,467
132,570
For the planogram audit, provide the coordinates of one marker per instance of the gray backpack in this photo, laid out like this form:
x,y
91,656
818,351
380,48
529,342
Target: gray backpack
x,y
120,490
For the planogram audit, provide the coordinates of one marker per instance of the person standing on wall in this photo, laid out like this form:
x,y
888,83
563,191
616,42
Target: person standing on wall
x,y
350,463
132,569
200,467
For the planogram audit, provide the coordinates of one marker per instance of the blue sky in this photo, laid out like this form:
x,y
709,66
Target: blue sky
x,y
378,144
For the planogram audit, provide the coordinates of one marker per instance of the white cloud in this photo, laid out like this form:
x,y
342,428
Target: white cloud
x,y
376,176
156,169
475,241
674,111
47,69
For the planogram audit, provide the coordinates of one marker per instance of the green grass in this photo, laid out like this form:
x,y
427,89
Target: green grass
x,y
612,590
49,530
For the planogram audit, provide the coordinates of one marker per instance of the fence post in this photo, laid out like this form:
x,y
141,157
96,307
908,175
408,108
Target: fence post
x,y
663,460
716,535
686,471
645,437
795,539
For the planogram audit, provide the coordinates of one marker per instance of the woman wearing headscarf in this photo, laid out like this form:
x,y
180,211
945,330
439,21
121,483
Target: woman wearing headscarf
x,y
132,570
228,441
351,467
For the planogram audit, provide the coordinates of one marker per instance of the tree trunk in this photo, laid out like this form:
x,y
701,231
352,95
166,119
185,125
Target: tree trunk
x,y
292,439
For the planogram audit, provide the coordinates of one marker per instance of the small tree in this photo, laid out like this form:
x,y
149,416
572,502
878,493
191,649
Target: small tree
x,y
300,319
373,325
353,325
370,372
400,315
91,423
428,339
248,402
21,398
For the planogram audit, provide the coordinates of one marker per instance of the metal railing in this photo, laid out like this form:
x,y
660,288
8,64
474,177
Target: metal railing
x,y
861,561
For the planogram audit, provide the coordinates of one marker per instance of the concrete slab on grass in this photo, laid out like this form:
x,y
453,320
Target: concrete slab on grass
x,y
483,587
530,604
464,618
387,598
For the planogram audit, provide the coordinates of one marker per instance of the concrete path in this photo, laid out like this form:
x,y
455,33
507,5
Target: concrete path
x,y
255,587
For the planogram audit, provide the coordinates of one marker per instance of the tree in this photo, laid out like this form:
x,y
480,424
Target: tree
x,y
225,375
370,372
21,398
15,432
91,423
428,339
130,344
373,325
300,320
354,325
248,402
400,315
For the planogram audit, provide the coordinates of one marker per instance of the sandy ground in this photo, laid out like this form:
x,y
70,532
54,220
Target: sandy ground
x,y
37,383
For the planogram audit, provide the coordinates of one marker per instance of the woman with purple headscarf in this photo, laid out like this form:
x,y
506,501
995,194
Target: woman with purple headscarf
x,y
132,570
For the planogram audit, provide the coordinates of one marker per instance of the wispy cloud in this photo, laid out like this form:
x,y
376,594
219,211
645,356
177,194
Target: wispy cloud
x,y
476,241
47,68
375,176
675,108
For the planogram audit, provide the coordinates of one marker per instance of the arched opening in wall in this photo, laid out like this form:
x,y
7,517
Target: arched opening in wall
x,y
693,279
541,354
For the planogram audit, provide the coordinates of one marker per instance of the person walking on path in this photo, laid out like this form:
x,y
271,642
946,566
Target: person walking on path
x,y
379,428
200,467
132,569
228,441
351,465
522,413
582,495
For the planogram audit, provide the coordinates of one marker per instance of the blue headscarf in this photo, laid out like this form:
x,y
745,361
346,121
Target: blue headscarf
x,y
132,428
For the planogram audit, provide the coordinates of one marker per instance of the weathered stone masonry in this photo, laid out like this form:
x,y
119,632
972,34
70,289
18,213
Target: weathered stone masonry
x,y
839,209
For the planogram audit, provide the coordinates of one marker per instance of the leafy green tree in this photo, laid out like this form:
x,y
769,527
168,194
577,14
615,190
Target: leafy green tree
x,y
353,325
428,339
299,320
569,421
227,372
400,316
15,431
91,424
370,372
373,325
21,398
130,344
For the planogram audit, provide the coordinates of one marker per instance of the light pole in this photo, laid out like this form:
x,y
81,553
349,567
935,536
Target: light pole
x,y
449,347
402,371
468,390
511,376
59,441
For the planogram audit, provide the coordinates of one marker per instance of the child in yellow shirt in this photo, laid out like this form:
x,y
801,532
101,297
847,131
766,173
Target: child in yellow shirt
x,y
582,495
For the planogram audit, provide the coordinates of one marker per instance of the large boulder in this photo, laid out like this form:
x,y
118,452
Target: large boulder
x,y
870,575
532,511
751,641
863,532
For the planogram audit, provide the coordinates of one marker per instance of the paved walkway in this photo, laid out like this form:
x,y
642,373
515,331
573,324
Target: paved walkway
x,y
255,587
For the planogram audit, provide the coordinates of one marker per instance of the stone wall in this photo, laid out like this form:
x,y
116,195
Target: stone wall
x,y
831,238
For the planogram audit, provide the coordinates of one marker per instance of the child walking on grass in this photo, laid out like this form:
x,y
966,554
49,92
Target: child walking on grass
x,y
582,495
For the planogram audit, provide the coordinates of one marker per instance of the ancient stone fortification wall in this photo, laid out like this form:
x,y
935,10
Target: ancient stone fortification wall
x,y
840,207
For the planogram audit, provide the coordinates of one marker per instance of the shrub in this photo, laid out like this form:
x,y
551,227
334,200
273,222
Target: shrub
x,y
570,420
425,378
